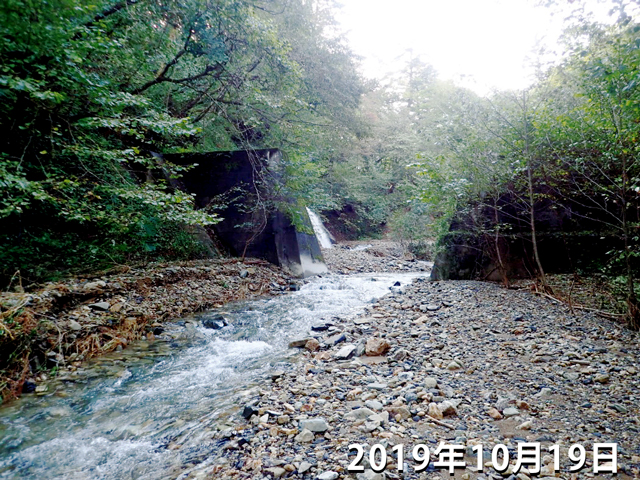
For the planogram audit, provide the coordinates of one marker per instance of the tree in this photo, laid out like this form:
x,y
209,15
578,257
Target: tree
x,y
91,90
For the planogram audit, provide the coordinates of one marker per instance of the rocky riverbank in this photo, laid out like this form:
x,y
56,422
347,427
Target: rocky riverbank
x,y
372,256
464,363
55,328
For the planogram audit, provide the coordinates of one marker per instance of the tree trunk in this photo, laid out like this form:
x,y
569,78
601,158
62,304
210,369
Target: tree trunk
x,y
532,222
633,312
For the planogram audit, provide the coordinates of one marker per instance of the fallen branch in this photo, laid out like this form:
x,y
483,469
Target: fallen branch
x,y
612,316
438,422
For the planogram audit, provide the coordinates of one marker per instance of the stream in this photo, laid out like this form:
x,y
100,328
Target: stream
x,y
150,411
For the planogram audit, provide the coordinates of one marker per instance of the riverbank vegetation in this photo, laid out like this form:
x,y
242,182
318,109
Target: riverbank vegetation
x,y
92,91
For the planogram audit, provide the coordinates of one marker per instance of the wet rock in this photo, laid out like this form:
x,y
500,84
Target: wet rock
x,y
249,411
28,387
376,347
215,323
299,343
336,339
42,390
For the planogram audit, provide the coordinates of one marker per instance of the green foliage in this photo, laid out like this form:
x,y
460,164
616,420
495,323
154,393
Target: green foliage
x,y
90,90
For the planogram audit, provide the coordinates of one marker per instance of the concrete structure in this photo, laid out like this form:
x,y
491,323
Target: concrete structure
x,y
255,221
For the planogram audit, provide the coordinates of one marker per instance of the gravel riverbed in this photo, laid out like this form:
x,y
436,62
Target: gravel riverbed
x,y
434,363
464,363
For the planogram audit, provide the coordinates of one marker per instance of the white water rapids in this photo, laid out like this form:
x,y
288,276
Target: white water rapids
x,y
151,411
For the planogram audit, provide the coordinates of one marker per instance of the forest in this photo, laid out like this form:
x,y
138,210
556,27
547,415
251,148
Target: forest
x,y
92,90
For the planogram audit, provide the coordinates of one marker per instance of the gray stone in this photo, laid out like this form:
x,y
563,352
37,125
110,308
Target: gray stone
x,y
318,425
305,436
544,393
400,355
371,425
249,411
276,472
336,339
304,467
378,386
73,325
510,412
447,408
430,382
359,414
328,475
362,321
503,402
95,285
345,352
382,417
101,306
453,365
619,408
572,376
370,475
373,405
215,322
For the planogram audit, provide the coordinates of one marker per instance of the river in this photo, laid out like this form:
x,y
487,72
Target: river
x,y
150,411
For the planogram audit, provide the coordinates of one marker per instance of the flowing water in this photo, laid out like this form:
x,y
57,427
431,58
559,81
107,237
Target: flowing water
x,y
150,411
322,234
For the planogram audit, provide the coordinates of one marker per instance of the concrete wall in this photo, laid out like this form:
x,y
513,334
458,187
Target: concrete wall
x,y
252,226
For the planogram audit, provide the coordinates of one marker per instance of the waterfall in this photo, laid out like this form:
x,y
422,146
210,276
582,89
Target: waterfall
x,y
321,233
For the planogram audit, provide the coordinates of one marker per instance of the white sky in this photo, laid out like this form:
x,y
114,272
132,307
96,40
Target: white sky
x,y
480,44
